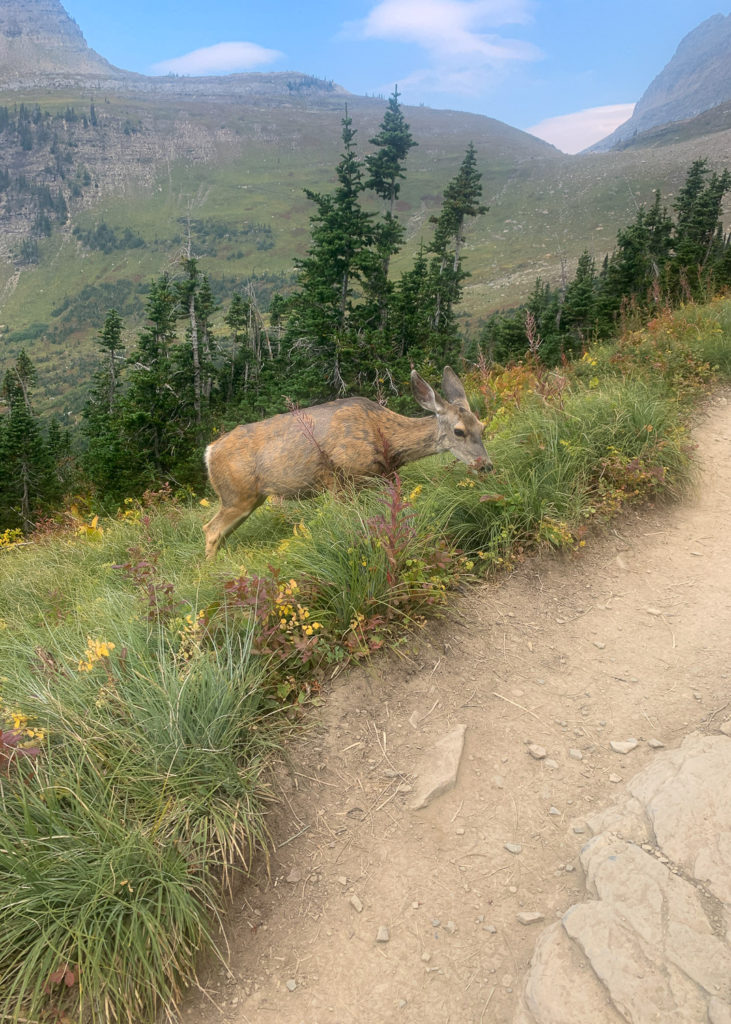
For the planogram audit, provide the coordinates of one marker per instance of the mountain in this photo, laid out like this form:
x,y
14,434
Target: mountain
x,y
41,47
108,177
40,44
696,79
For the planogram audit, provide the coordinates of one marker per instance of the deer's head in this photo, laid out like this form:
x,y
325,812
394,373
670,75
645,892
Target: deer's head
x,y
460,431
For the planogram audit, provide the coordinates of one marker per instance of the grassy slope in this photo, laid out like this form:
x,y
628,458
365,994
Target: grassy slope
x,y
157,698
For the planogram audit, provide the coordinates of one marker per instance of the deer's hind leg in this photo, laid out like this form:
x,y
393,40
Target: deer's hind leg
x,y
225,522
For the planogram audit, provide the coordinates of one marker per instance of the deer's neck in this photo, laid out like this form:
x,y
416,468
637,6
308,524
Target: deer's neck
x,y
413,439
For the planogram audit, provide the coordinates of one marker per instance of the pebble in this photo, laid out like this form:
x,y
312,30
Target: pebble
x,y
450,927
576,754
623,746
513,847
599,644
342,879
426,957
550,763
435,922
489,928
569,867
529,917
725,727
383,934
579,829
615,778
655,744
291,984
554,810
537,751
356,903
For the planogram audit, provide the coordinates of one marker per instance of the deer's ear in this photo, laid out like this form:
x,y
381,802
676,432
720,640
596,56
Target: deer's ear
x,y
453,388
424,394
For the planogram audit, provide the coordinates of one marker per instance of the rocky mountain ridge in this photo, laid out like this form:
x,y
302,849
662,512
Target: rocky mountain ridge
x,y
42,48
697,79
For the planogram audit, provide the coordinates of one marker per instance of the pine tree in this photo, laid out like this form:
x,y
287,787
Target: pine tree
x,y
106,460
340,257
28,476
385,172
698,236
461,200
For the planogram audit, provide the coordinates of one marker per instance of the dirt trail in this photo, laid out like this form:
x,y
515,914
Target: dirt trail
x,y
628,639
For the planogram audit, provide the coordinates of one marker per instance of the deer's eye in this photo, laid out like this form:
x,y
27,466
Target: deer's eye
x,y
459,433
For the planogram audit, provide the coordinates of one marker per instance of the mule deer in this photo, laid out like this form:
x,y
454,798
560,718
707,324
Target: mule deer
x,y
299,453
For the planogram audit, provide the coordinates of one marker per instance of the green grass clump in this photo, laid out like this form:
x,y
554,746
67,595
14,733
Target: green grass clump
x,y
142,689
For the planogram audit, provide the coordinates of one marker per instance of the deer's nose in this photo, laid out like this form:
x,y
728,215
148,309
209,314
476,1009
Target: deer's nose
x,y
483,465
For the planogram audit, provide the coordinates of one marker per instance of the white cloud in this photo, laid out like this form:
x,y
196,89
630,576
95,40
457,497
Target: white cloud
x,y
459,36
220,59
574,132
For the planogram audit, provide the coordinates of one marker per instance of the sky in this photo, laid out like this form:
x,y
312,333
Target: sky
x,y
568,71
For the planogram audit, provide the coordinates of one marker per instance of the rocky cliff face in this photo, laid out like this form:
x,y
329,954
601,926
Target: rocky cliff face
x,y
38,40
41,47
696,79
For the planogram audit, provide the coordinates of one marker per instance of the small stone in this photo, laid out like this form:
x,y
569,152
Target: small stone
x,y
294,876
426,957
342,879
550,763
383,934
576,754
450,927
506,981
653,611
569,868
291,984
615,778
513,847
498,782
725,727
415,905
655,744
435,922
536,751
554,811
623,746
579,829
529,917
356,903
489,928
459,831
599,644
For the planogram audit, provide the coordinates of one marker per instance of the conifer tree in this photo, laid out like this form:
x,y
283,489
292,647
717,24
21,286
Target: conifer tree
x,y
461,200
28,478
385,172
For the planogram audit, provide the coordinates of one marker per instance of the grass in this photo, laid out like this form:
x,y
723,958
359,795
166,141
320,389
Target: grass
x,y
144,690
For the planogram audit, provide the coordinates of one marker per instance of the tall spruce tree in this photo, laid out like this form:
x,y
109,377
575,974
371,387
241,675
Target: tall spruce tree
x,y
28,478
385,173
340,258
461,200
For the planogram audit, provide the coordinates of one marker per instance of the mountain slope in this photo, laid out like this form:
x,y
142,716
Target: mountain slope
x,y
696,79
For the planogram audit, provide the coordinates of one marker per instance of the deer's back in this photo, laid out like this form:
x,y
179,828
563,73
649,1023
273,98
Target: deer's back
x,y
300,452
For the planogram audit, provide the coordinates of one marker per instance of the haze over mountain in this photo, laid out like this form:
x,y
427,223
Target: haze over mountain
x,y
697,79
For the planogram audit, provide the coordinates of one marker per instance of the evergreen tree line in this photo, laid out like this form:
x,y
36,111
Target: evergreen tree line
x,y
349,327
659,261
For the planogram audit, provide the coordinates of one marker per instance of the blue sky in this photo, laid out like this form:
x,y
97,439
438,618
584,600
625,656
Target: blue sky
x,y
524,62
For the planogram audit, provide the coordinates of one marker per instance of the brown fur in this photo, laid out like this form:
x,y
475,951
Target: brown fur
x,y
305,451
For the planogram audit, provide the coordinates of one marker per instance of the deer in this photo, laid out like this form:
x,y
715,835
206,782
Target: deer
x,y
302,452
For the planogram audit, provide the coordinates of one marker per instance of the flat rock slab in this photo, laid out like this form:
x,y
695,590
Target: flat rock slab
x,y
650,943
437,771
